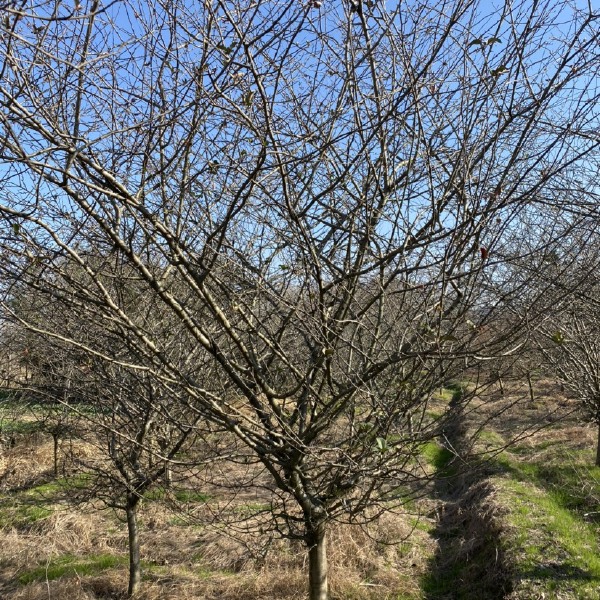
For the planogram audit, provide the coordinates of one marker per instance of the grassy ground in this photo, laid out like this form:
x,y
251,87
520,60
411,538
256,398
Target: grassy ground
x,y
521,522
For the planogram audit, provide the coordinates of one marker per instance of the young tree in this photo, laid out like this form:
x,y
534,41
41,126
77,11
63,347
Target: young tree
x,y
140,429
320,198
571,347
138,422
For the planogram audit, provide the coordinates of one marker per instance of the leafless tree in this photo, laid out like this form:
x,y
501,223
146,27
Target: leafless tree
x,y
137,422
140,431
568,335
320,197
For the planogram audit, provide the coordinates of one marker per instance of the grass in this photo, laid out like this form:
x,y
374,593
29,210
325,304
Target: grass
x,y
187,496
556,548
567,476
491,438
439,458
550,494
18,426
184,496
251,508
20,509
69,565
21,513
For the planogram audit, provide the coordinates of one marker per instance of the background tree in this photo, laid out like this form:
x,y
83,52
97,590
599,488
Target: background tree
x,y
137,423
568,335
320,199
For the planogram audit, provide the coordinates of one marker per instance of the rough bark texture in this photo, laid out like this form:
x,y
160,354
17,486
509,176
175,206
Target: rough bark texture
x,y
135,573
317,560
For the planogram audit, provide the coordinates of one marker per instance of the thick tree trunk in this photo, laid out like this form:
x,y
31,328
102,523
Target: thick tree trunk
x,y
598,448
317,563
135,571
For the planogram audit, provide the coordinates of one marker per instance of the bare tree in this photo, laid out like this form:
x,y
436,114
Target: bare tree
x,y
140,429
137,421
568,336
320,198
572,350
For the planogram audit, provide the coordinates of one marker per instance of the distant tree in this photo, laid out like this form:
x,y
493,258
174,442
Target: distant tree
x,y
573,350
137,422
569,334
320,200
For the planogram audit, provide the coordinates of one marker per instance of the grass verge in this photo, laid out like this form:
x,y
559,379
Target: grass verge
x,y
551,504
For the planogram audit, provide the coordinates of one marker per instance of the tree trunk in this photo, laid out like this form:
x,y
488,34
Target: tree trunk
x,y
168,474
530,384
317,563
598,448
135,572
55,440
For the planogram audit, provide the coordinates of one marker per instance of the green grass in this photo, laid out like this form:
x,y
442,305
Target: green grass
x,y
491,438
69,565
444,394
439,458
20,515
25,507
191,496
568,479
556,545
18,426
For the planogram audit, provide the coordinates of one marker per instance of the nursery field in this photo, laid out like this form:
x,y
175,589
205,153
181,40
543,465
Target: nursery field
x,y
511,510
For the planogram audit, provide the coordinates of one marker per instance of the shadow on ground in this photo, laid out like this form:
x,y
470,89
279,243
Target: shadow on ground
x,y
469,563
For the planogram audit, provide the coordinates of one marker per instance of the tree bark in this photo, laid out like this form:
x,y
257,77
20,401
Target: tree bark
x,y
168,479
55,448
598,448
135,571
317,563
530,384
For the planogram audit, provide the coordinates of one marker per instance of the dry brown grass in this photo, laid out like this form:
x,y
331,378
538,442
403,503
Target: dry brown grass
x,y
195,557
181,568
186,560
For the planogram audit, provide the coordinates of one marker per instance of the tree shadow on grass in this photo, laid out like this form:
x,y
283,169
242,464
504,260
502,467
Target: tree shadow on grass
x,y
469,563
558,570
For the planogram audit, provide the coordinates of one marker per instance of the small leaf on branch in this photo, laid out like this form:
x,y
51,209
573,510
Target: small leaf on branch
x,y
381,444
248,98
